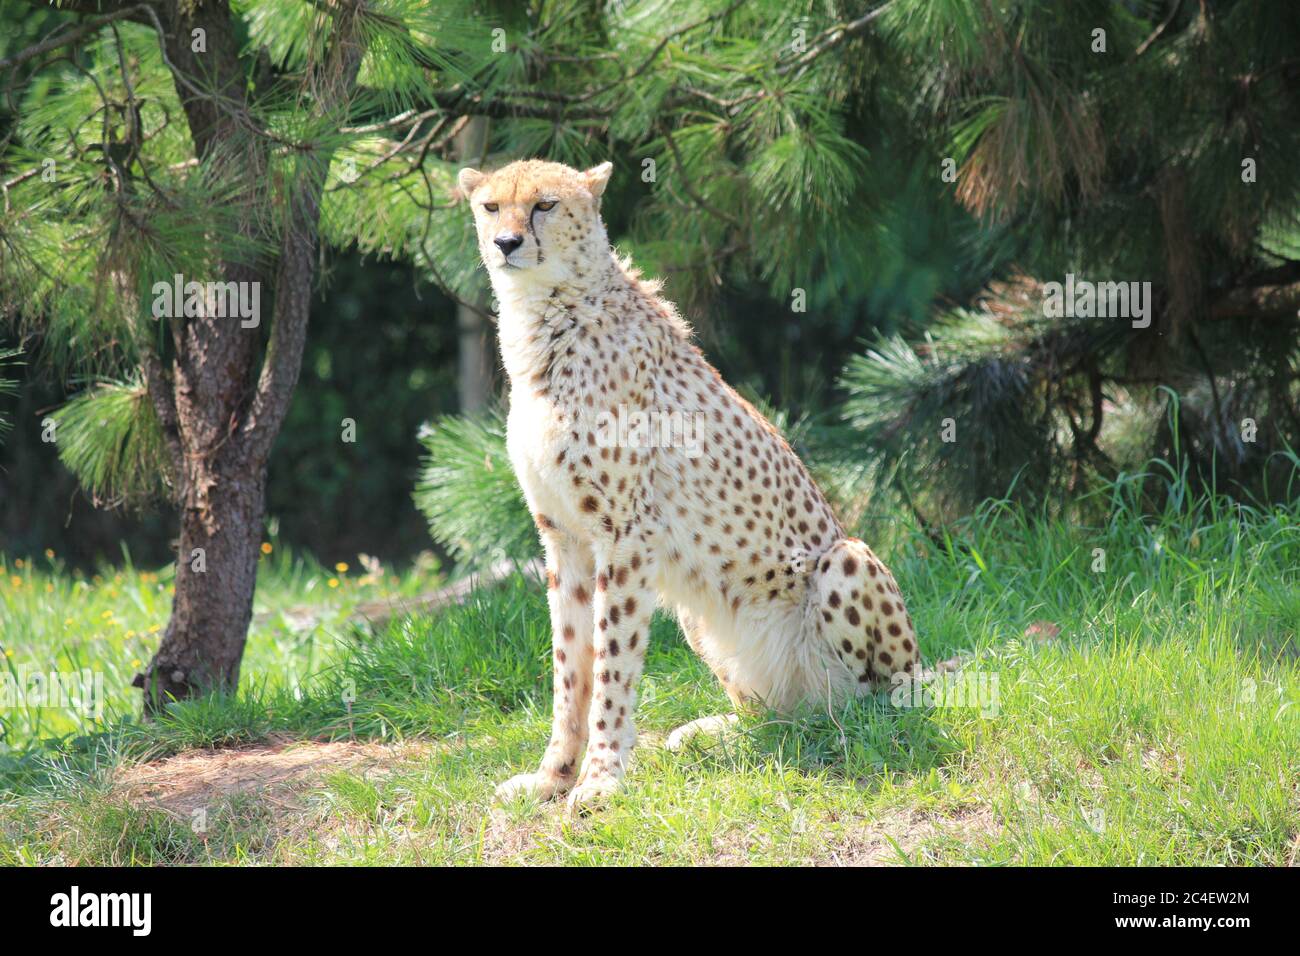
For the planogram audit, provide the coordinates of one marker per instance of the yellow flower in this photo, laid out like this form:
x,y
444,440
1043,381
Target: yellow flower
x,y
341,567
155,629
49,588
49,553
130,634
266,547
16,581
333,582
106,615
8,653
67,622
136,662
18,562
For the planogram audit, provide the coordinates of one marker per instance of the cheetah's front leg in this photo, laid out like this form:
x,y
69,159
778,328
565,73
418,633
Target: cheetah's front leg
x,y
570,580
623,607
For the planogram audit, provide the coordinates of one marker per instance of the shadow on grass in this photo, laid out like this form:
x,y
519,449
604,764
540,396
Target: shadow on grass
x,y
468,667
862,742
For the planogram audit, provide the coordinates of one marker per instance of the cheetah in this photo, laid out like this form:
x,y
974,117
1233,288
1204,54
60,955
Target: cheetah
x,y
716,518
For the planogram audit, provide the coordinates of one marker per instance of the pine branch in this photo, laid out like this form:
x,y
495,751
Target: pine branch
x,y
576,98
7,385
460,101
686,183
334,82
156,383
832,38
73,36
468,492
1174,7
1258,302
109,438
1286,274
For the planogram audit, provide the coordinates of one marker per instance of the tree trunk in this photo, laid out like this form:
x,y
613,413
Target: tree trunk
x,y
220,414
1184,276
475,384
216,571
475,376
220,498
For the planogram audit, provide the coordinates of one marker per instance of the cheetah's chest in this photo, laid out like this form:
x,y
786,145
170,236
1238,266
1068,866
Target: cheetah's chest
x,y
540,442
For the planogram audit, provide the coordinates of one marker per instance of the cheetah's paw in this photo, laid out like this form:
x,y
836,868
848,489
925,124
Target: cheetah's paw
x,y
592,793
540,786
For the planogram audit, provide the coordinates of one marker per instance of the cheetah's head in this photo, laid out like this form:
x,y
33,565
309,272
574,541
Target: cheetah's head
x,y
537,219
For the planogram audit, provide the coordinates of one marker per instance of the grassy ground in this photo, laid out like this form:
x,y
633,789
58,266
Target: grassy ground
x,y
1159,726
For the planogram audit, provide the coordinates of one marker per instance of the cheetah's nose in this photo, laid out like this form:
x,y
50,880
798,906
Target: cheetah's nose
x,y
508,244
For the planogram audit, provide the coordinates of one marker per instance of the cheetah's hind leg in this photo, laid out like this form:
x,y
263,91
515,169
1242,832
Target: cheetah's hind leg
x,y
860,613
715,725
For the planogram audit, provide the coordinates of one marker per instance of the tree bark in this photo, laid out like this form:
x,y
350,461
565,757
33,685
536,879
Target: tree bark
x,y
475,384
475,377
1184,275
216,572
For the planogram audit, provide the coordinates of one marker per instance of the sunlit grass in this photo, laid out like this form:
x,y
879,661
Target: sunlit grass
x,y
1159,726
109,623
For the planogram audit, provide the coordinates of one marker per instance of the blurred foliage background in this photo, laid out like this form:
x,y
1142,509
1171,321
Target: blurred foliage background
x,y
814,165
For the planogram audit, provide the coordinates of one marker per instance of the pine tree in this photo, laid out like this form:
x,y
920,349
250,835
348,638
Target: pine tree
x,y
7,385
1149,142
188,146
225,142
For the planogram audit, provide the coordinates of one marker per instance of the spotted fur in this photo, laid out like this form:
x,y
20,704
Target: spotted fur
x,y
732,533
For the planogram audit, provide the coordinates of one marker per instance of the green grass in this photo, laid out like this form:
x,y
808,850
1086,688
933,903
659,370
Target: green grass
x,y
1159,727
110,622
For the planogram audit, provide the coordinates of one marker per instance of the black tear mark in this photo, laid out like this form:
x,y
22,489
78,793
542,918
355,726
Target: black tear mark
x,y
541,257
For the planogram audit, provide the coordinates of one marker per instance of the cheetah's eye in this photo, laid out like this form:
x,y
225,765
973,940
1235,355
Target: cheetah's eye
x,y
546,206
490,206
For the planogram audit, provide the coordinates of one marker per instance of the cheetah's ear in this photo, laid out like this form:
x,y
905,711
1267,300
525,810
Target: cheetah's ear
x,y
597,177
469,180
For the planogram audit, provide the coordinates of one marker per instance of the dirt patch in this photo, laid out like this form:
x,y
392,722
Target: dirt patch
x,y
274,771
890,839
911,834
279,774
506,841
